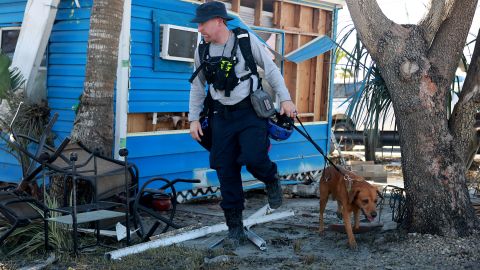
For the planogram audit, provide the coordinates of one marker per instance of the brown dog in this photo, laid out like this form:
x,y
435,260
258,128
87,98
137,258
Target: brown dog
x,y
353,194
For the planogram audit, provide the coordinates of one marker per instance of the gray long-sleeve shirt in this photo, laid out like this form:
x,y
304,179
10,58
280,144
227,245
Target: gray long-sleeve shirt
x,y
272,75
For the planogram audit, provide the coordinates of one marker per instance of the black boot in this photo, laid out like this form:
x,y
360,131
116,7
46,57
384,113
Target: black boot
x,y
236,234
274,193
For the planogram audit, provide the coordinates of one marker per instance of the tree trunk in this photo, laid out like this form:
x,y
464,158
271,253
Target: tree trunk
x,y
418,63
94,120
434,174
432,163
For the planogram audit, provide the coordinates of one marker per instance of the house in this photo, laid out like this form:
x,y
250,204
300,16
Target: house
x,y
152,88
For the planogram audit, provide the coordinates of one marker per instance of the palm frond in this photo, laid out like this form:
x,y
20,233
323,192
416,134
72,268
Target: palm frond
x,y
17,80
29,239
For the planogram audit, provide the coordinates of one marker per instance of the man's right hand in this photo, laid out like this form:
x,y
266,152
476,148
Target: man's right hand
x,y
196,130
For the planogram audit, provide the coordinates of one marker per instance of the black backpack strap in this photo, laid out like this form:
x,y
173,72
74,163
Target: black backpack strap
x,y
203,53
207,104
245,47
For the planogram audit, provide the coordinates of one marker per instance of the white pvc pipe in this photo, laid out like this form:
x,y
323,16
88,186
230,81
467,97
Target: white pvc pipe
x,y
188,235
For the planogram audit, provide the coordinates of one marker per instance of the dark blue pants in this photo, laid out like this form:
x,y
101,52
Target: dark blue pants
x,y
239,138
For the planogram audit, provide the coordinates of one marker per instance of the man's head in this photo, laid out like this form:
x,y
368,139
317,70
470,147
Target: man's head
x,y
211,19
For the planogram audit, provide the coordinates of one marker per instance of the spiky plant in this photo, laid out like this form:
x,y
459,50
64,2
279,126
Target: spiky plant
x,y
31,118
29,239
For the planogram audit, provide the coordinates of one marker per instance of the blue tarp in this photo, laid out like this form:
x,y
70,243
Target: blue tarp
x,y
314,48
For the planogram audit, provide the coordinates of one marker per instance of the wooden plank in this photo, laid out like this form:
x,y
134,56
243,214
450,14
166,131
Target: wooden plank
x,y
277,14
297,73
304,78
258,12
288,15
316,20
298,31
319,106
326,69
137,122
312,91
306,19
236,6
297,16
322,20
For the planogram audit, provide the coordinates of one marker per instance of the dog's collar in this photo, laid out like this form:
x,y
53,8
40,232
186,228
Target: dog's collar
x,y
348,182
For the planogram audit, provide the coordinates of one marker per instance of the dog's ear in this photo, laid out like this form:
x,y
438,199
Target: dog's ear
x,y
352,195
379,194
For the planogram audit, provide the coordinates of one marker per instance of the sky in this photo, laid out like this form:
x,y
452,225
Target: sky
x,y
407,12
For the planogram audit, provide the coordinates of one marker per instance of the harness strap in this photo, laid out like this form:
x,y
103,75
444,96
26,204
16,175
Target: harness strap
x,y
246,48
195,73
203,52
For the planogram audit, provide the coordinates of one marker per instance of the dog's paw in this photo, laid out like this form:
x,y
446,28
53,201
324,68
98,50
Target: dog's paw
x,y
352,245
321,232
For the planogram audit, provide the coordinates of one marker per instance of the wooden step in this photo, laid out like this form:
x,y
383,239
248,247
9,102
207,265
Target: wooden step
x,y
88,216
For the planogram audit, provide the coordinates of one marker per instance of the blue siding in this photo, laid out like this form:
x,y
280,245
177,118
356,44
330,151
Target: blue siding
x,y
11,14
10,170
166,89
153,80
66,61
178,156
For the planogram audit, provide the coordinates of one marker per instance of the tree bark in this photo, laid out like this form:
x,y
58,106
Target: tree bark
x,y
418,67
93,124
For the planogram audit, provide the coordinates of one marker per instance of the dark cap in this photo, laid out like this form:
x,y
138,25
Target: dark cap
x,y
209,11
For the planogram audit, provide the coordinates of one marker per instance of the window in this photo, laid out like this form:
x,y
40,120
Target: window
x,y
178,43
8,40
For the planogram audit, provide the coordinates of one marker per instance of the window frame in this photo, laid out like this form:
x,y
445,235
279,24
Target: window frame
x,y
7,28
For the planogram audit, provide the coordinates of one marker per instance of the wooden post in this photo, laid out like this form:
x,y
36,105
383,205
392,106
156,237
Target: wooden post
x,y
258,13
236,6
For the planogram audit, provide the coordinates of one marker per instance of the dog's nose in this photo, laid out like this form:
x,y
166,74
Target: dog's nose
x,y
373,214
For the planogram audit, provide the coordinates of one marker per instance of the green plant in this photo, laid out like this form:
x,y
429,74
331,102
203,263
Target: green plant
x,y
31,118
29,239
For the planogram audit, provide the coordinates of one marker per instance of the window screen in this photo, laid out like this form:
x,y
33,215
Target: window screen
x,y
182,43
9,41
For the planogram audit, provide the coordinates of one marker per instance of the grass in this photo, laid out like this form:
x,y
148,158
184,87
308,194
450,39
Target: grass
x,y
173,257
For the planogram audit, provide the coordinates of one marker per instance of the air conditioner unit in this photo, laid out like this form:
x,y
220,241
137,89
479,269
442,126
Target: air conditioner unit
x,y
178,43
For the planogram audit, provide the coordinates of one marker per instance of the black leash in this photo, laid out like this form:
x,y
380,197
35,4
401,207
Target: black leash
x,y
307,136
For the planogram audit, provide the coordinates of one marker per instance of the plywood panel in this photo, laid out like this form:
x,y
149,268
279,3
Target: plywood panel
x,y
137,122
288,15
306,20
308,81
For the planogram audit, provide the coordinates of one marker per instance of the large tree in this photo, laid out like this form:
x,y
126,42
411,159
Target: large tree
x,y
418,63
94,121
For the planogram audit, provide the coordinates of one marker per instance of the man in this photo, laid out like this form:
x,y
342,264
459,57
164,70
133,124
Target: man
x,y
239,136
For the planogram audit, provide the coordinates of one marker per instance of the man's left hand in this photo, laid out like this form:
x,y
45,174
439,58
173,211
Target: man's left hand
x,y
288,108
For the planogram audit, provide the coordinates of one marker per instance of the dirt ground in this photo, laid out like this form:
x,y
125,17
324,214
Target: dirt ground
x,y
292,243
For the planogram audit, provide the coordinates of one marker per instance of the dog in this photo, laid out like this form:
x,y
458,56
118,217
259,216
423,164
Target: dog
x,y
352,193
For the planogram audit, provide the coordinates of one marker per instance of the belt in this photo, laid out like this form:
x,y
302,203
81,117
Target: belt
x,y
244,104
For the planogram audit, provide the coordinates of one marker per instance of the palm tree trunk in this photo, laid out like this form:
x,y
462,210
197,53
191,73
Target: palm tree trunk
x,y
94,120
